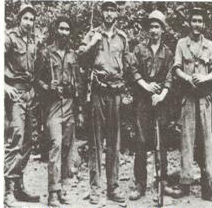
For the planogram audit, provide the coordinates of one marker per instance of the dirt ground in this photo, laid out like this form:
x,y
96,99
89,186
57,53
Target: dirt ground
x,y
78,186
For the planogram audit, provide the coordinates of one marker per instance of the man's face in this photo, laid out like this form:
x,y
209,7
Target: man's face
x,y
109,15
197,24
155,30
63,31
27,21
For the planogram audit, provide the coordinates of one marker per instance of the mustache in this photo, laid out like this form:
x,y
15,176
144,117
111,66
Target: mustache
x,y
62,37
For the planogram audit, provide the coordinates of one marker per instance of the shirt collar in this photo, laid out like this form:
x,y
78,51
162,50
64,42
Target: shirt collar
x,y
18,32
102,30
202,39
161,53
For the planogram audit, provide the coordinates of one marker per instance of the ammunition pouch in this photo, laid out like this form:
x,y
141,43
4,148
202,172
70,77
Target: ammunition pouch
x,y
66,91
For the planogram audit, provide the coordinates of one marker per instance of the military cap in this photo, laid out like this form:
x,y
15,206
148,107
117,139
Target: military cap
x,y
26,8
109,4
198,11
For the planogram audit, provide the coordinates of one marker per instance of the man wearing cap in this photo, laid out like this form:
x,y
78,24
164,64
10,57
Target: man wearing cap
x,y
60,81
193,66
104,49
152,77
20,54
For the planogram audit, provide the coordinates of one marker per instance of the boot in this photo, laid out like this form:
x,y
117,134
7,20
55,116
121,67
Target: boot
x,y
206,189
64,198
53,200
22,194
9,198
137,193
183,190
94,196
116,195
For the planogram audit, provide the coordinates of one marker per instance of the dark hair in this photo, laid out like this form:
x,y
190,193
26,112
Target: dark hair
x,y
198,11
63,19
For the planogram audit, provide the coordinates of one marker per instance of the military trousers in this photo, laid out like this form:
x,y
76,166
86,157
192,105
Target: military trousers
x,y
20,131
105,123
196,120
60,125
145,115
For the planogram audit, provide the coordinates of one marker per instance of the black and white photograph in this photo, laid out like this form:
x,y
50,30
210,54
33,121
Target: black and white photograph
x,y
107,104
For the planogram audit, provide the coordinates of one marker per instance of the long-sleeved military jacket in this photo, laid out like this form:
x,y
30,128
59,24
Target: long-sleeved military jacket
x,y
63,71
20,58
152,68
109,56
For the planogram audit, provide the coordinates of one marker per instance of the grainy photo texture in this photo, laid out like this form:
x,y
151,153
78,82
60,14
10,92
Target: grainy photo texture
x,y
108,104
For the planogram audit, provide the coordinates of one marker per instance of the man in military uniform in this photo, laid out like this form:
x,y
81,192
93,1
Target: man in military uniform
x,y
105,48
60,80
152,76
20,54
193,67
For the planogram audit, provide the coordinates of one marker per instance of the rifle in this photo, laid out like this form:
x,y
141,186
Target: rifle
x,y
91,71
158,164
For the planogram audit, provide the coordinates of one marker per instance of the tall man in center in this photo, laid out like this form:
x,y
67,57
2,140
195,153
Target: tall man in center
x,y
152,77
109,48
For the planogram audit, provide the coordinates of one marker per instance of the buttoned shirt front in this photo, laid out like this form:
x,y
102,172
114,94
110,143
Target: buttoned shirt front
x,y
63,70
153,68
195,62
109,54
20,57
187,61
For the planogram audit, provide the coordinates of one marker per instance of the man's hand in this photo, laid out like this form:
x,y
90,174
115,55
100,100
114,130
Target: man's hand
x,y
157,98
80,120
152,87
11,92
199,78
54,84
189,79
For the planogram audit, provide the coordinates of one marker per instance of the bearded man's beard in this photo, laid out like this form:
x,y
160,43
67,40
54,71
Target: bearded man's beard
x,y
63,40
109,24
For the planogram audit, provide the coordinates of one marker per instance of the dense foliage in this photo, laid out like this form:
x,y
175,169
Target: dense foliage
x,y
132,19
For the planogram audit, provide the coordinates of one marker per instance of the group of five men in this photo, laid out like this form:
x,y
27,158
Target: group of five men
x,y
105,50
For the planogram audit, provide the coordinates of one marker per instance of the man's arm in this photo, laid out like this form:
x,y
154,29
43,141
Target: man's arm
x,y
137,77
9,90
90,40
178,66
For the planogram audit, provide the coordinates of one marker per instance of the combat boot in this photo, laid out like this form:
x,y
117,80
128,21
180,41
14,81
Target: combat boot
x,y
206,188
137,193
9,198
183,190
116,195
53,200
64,198
94,195
22,194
